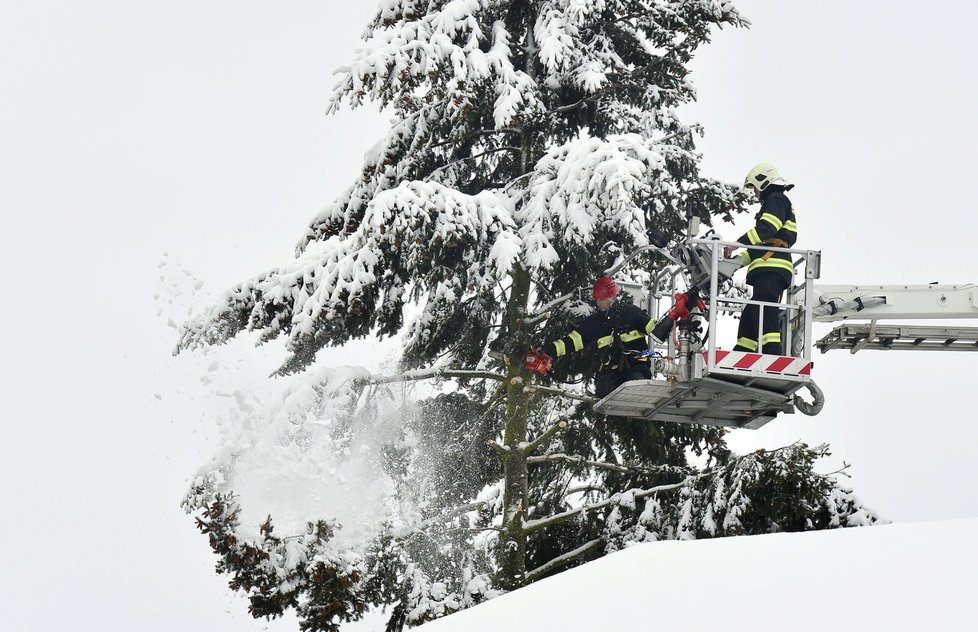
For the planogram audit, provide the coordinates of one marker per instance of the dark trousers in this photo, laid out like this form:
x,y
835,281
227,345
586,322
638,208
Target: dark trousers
x,y
768,286
607,380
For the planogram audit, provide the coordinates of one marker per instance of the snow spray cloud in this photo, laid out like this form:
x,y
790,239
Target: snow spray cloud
x,y
300,449
315,452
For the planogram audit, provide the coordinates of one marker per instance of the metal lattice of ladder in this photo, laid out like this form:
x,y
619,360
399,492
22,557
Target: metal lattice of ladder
x,y
856,337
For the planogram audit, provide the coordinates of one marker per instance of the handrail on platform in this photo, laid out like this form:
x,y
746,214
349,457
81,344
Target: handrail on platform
x,y
707,252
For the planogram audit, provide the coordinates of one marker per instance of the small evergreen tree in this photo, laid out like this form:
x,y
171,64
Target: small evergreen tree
x,y
532,143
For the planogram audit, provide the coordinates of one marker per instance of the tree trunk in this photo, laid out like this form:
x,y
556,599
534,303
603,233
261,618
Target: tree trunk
x,y
512,552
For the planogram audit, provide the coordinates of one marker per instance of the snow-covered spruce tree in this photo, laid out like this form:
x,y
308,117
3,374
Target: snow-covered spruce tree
x,y
532,143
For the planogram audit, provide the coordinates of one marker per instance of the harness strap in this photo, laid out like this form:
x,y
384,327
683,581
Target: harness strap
x,y
777,243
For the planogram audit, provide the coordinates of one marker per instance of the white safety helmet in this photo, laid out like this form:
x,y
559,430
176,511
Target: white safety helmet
x,y
763,175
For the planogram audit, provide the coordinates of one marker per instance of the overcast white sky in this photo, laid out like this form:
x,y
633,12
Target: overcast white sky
x,y
129,129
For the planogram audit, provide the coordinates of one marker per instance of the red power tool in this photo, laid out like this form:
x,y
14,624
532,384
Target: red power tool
x,y
537,360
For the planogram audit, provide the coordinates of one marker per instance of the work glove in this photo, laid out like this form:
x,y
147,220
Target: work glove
x,y
537,360
728,251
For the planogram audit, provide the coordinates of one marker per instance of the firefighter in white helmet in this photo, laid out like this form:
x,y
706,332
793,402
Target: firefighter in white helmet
x,y
768,272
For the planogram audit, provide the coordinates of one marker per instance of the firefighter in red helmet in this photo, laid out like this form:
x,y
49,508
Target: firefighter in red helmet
x,y
618,329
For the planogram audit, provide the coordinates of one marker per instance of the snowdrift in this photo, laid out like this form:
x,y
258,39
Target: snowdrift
x,y
918,576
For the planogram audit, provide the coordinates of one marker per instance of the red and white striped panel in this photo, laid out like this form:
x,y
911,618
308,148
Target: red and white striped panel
x,y
756,362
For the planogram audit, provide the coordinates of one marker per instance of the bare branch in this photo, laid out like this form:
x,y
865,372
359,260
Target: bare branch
x,y
444,517
561,560
517,179
614,467
531,447
533,321
625,18
472,157
584,488
474,530
544,309
547,390
501,450
481,132
426,374
841,470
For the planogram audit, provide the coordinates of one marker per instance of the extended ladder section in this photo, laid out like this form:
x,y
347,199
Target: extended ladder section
x,y
896,302
858,336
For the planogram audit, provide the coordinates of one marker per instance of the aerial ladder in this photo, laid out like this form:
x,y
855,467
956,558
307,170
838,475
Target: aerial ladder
x,y
695,381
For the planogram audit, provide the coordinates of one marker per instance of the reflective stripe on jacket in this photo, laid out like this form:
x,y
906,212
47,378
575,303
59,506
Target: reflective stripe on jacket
x,y
629,323
775,223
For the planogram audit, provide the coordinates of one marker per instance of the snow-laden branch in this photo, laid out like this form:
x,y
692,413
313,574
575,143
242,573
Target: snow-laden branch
x,y
542,523
453,248
449,44
585,185
602,465
561,560
335,391
626,81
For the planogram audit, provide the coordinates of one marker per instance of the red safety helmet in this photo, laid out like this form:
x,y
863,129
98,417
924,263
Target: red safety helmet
x,y
605,287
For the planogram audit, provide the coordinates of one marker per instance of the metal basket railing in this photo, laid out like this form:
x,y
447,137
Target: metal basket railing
x,y
796,310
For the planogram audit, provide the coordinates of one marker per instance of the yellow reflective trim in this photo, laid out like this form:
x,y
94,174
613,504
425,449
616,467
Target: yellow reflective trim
x,y
604,341
649,326
792,226
749,343
578,341
634,334
752,237
561,348
774,337
782,264
772,220
745,257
